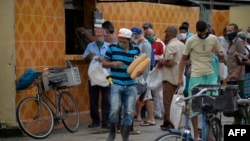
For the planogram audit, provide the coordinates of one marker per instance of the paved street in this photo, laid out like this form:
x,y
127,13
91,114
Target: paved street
x,y
148,133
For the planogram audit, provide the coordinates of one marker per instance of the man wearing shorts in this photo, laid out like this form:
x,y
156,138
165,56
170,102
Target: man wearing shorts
x,y
200,47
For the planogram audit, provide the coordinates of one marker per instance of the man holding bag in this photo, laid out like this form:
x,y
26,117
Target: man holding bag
x,y
97,50
170,69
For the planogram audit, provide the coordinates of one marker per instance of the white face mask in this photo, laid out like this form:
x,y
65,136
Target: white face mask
x,y
134,40
183,36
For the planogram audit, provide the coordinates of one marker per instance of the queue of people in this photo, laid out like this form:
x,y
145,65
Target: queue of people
x,y
195,55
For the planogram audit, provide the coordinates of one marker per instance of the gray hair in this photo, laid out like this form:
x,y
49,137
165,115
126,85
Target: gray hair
x,y
242,35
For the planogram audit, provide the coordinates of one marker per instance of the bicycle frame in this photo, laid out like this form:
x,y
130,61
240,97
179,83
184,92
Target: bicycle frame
x,y
186,132
53,105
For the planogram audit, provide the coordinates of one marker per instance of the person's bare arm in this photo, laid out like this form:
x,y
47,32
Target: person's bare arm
x,y
219,54
181,70
108,64
166,62
87,36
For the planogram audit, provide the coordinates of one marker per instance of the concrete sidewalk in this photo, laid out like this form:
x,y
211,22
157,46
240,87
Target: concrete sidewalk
x,y
148,133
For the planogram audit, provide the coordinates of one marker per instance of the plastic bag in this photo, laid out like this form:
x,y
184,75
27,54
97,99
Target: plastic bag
x,y
154,79
176,109
26,79
141,85
223,71
97,74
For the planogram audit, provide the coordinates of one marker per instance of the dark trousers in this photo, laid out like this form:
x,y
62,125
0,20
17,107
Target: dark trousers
x,y
168,93
94,95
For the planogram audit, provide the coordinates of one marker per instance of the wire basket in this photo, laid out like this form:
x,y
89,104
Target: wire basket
x,y
225,97
69,77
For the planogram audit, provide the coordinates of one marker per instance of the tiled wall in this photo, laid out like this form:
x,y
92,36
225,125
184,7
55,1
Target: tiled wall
x,y
220,19
136,13
161,15
40,43
40,36
40,33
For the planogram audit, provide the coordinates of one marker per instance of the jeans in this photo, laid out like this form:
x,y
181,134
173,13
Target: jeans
x,y
126,96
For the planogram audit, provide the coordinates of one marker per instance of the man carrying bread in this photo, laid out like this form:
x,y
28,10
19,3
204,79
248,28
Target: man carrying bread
x,y
118,57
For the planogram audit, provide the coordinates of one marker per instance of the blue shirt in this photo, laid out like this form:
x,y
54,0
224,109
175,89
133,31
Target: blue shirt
x,y
99,51
116,53
93,48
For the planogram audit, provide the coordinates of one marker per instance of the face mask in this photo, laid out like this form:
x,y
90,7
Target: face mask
x,y
231,36
183,36
99,43
134,40
203,36
123,45
150,39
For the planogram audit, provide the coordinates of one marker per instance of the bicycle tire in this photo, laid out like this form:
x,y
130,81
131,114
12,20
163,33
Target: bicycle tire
x,y
215,124
170,137
69,109
35,118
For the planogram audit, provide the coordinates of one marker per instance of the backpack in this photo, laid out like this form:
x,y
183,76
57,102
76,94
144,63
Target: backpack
x,y
26,79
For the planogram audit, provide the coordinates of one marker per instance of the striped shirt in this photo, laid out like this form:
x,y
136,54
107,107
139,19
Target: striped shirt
x,y
116,53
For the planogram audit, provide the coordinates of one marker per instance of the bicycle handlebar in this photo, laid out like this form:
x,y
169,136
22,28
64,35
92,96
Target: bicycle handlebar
x,y
199,94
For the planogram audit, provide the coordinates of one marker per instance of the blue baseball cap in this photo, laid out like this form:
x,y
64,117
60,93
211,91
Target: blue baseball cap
x,y
136,30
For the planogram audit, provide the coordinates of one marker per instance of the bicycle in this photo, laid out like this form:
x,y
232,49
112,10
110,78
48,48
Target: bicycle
x,y
209,120
243,110
244,107
38,122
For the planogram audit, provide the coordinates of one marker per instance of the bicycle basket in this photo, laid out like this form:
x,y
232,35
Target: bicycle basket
x,y
26,79
225,97
69,77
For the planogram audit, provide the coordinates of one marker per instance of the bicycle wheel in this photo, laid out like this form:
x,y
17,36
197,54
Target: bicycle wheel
x,y
170,137
35,118
215,125
69,110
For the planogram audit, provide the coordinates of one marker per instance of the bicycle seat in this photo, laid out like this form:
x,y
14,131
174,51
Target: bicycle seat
x,y
207,107
243,102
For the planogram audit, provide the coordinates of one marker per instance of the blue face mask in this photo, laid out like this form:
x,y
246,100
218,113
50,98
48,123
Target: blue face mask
x,y
231,36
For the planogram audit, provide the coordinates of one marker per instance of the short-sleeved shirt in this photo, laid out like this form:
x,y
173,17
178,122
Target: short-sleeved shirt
x,y
235,45
116,53
93,48
224,44
158,48
201,54
173,51
145,47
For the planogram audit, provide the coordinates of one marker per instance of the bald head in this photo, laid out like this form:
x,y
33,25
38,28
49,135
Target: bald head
x,y
149,32
170,33
172,30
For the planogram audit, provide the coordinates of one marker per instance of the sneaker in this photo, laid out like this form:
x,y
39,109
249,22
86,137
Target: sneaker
x,y
93,125
105,126
166,127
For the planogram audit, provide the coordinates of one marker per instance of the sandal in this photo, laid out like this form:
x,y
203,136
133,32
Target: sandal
x,y
147,123
134,132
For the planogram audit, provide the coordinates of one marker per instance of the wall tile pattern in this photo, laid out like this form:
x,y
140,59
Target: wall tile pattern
x,y
131,14
40,43
220,19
